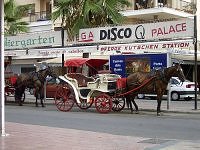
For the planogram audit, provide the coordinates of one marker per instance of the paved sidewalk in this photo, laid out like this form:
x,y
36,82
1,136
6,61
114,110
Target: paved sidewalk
x,y
34,137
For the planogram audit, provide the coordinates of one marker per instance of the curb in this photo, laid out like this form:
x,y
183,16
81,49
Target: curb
x,y
170,111
127,109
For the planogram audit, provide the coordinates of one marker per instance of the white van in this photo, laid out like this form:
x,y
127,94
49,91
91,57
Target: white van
x,y
179,90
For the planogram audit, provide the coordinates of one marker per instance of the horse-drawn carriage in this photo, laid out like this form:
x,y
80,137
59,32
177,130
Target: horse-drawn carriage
x,y
84,85
108,91
9,85
78,88
10,80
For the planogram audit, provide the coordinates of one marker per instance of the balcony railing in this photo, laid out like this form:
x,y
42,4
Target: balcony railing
x,y
181,5
39,16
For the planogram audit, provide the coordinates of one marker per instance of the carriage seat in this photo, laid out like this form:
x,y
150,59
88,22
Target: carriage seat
x,y
81,79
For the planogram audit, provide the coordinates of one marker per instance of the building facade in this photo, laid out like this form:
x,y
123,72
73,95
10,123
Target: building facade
x,y
141,12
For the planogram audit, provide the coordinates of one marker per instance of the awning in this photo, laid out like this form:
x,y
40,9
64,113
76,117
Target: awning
x,y
77,62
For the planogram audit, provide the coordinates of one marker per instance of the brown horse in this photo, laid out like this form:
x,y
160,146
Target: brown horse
x,y
32,80
153,82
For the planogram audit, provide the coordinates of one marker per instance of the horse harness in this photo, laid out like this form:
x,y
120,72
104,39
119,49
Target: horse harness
x,y
35,76
154,75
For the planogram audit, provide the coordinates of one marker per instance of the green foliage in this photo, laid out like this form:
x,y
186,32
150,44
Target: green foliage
x,y
77,14
13,16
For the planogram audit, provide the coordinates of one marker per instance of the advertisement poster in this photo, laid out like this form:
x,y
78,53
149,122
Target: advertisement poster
x,y
125,65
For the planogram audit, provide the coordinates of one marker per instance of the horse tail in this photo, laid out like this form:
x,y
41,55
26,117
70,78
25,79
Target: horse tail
x,y
17,94
19,90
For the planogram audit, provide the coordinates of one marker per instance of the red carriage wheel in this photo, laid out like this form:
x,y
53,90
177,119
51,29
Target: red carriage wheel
x,y
103,103
64,98
84,104
118,103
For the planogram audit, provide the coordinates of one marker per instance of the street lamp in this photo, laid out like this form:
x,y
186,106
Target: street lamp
x,y
2,91
63,44
195,54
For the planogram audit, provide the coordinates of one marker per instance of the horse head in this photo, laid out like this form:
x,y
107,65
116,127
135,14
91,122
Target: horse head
x,y
178,72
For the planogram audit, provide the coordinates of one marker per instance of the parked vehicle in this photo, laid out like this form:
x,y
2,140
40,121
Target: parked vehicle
x,y
179,90
51,87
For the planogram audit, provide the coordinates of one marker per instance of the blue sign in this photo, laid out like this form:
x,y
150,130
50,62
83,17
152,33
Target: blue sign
x,y
128,64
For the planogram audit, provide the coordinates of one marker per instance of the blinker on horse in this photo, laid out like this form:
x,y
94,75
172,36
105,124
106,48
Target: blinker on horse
x,y
157,83
32,80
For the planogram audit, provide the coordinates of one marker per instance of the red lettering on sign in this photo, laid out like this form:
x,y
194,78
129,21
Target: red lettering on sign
x,y
83,36
91,35
172,29
86,38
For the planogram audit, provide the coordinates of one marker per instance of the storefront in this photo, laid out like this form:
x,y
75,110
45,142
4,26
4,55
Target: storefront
x,y
30,50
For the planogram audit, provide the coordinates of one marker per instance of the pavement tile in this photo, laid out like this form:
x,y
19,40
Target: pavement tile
x,y
32,137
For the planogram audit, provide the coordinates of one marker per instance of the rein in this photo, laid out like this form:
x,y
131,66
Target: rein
x,y
137,88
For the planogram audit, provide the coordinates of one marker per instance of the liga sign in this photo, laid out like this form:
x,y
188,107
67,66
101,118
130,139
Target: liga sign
x,y
139,32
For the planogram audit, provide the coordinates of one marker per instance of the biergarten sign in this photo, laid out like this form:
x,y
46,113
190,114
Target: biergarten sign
x,y
139,32
40,39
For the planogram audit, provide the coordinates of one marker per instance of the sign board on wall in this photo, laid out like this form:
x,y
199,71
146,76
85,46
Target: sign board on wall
x,y
179,47
148,46
40,39
51,52
56,52
130,33
127,64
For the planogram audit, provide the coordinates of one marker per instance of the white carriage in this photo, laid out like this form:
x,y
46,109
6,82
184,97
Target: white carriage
x,y
84,91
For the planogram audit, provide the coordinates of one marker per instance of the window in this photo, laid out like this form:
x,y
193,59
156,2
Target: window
x,y
174,81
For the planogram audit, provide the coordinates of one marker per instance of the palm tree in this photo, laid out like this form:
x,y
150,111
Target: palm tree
x,y
13,16
77,14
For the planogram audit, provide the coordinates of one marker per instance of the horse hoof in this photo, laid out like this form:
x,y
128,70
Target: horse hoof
x,y
159,114
43,106
131,112
20,105
136,112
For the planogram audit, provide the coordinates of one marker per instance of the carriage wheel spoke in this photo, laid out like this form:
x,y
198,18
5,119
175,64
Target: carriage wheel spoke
x,y
118,104
63,100
103,103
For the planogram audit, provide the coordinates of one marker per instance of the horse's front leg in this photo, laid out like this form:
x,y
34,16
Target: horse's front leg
x,y
36,96
42,98
158,107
